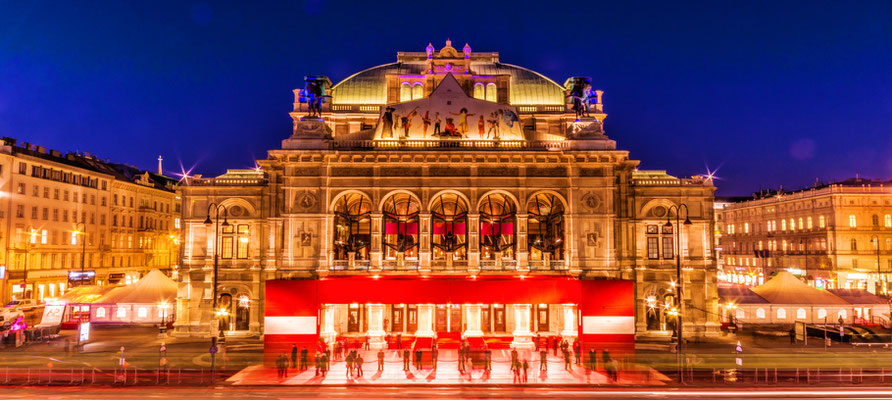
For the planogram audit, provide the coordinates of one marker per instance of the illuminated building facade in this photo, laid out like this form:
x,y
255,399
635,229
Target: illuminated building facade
x,y
835,236
446,194
67,212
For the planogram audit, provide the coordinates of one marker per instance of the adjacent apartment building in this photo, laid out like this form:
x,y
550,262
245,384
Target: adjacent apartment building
x,y
69,219
835,235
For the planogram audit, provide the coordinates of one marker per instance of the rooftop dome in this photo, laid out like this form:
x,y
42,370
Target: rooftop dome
x,y
370,86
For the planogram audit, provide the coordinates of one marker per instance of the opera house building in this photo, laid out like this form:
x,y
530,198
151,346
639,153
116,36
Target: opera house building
x,y
441,197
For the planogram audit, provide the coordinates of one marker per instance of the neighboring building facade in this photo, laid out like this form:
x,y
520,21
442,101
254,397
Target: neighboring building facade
x,y
832,236
446,166
67,212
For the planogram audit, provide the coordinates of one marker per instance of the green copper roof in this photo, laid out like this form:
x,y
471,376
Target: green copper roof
x,y
370,86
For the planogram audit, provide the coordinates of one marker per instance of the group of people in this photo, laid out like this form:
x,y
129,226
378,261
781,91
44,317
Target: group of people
x,y
519,367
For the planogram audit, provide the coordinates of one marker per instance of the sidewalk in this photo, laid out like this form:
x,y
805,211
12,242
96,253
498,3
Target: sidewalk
x,y
446,373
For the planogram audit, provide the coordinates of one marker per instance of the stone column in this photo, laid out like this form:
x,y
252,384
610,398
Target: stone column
x,y
571,329
425,321
328,324
523,338
376,326
424,239
472,321
377,252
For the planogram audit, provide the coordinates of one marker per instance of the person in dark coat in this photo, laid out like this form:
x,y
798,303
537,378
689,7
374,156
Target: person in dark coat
x,y
406,360
399,340
567,363
434,354
380,360
577,352
317,360
293,356
303,358
487,360
357,361
418,364
538,339
792,336
592,358
526,368
543,360
326,359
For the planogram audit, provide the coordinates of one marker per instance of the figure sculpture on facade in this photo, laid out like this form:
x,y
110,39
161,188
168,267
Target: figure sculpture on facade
x,y
314,94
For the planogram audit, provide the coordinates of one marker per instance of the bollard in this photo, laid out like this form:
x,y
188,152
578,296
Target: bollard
x,y
797,374
49,378
179,376
93,376
775,375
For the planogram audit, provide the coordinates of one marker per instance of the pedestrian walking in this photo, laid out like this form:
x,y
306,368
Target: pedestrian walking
x,y
380,360
567,363
543,360
303,358
592,358
538,338
612,370
418,364
434,354
349,364
526,368
317,361
487,360
792,336
367,342
406,360
293,355
515,369
358,362
555,345
399,340
326,360
283,366
513,356
577,351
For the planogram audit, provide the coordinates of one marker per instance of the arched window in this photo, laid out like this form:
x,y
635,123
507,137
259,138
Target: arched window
x,y
809,222
417,91
498,214
760,313
479,91
353,227
853,223
854,244
405,92
450,227
100,312
781,313
822,313
545,226
841,315
401,226
887,221
875,220
740,314
491,92
800,314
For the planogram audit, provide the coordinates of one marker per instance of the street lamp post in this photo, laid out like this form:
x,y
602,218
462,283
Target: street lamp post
x,y
216,223
83,233
679,287
876,242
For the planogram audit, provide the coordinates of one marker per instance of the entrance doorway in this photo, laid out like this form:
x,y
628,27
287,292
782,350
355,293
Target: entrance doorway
x,y
412,319
542,318
441,318
353,314
498,322
485,314
455,318
242,314
397,319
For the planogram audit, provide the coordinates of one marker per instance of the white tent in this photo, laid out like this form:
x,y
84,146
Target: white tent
x,y
148,301
784,288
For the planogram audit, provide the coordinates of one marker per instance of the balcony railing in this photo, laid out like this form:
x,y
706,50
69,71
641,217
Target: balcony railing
x,y
451,144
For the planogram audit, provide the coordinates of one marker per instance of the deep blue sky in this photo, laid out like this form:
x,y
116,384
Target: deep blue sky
x,y
771,93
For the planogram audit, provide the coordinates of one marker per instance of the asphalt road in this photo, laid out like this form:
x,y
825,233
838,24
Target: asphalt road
x,y
233,393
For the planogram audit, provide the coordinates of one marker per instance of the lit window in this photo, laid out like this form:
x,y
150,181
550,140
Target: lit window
x,y
142,312
760,313
852,221
122,312
73,238
800,223
800,313
43,236
793,224
405,92
842,315
100,312
176,223
491,92
740,314
479,91
783,224
417,91
888,221
808,221
821,222
822,313
746,227
781,313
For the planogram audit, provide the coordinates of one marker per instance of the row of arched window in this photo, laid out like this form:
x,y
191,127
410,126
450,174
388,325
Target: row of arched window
x,y
449,231
482,91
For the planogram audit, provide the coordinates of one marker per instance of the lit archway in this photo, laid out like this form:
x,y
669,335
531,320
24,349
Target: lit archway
x,y
449,214
498,216
545,226
352,226
400,225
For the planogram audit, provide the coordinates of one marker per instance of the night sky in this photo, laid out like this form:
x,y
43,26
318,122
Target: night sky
x,y
768,94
